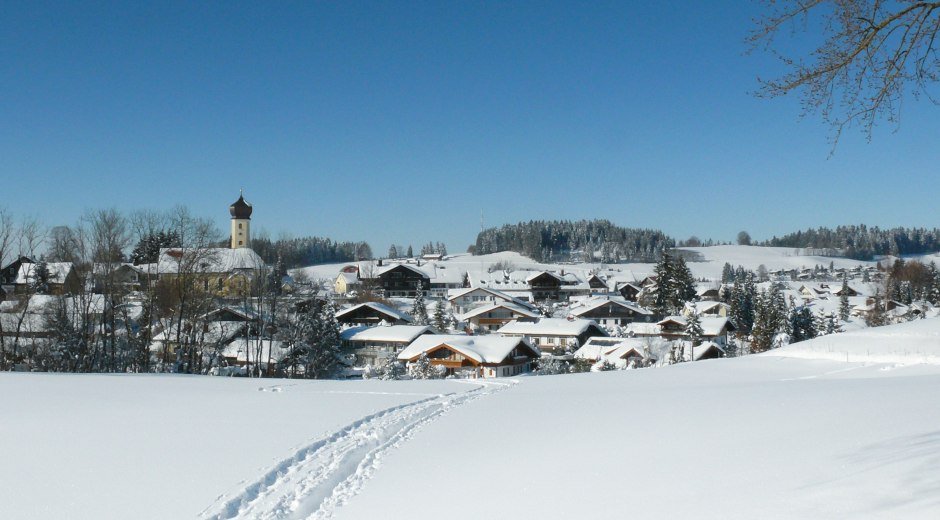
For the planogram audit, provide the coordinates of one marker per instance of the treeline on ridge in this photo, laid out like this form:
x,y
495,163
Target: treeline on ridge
x,y
558,239
304,251
862,242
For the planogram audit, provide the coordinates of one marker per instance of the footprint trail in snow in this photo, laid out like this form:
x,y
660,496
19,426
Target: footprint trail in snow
x,y
324,475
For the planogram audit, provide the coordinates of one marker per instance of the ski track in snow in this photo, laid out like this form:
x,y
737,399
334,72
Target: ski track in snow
x,y
324,475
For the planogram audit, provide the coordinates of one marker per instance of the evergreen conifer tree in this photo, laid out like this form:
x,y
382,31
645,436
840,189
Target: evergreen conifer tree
x,y
844,299
693,328
419,310
441,320
802,324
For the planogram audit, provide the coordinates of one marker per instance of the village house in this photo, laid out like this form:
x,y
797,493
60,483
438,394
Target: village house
x,y
402,280
463,300
629,291
474,356
621,352
714,329
373,346
372,313
493,316
553,335
61,278
347,283
707,309
266,353
610,311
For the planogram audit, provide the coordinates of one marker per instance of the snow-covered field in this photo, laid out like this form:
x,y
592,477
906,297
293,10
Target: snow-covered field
x,y
769,436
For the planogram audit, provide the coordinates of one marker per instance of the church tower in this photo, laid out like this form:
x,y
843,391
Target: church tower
x,y
241,223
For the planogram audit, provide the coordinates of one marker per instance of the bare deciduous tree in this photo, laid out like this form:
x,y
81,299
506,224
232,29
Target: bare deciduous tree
x,y
871,54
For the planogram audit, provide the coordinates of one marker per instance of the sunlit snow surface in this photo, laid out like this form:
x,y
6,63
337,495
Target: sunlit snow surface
x,y
756,437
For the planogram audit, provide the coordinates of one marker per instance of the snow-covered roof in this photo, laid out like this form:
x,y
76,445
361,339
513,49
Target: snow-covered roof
x,y
457,293
596,302
390,334
58,272
699,351
548,327
613,348
208,260
391,267
482,349
213,332
642,329
711,325
349,278
242,349
378,307
518,309
540,273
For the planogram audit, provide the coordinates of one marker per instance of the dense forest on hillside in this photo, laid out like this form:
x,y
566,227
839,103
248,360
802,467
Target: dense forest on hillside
x,y
301,252
560,240
862,242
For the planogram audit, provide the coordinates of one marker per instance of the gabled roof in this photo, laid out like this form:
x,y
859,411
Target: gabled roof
x,y
498,294
550,327
482,349
390,334
379,308
208,260
711,326
58,272
595,303
541,273
518,309
596,348
393,267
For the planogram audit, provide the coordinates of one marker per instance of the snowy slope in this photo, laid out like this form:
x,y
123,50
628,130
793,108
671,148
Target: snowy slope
x,y
751,257
713,259
745,438
756,437
905,343
99,446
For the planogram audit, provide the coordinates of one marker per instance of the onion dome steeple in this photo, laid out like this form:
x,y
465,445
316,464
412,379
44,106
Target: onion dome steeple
x,y
240,209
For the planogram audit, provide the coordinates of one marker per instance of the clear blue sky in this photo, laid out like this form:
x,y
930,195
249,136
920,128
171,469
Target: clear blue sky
x,y
400,122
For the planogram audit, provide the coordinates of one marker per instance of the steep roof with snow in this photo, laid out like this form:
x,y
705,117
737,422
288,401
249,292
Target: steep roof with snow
x,y
518,309
482,349
58,272
597,302
377,307
390,334
549,327
208,260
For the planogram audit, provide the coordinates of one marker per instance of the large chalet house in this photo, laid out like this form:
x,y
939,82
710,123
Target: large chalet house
x,y
553,335
400,279
373,346
610,311
474,356
538,286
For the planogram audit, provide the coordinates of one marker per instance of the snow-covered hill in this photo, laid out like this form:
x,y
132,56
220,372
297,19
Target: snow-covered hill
x,y
763,436
710,263
905,343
